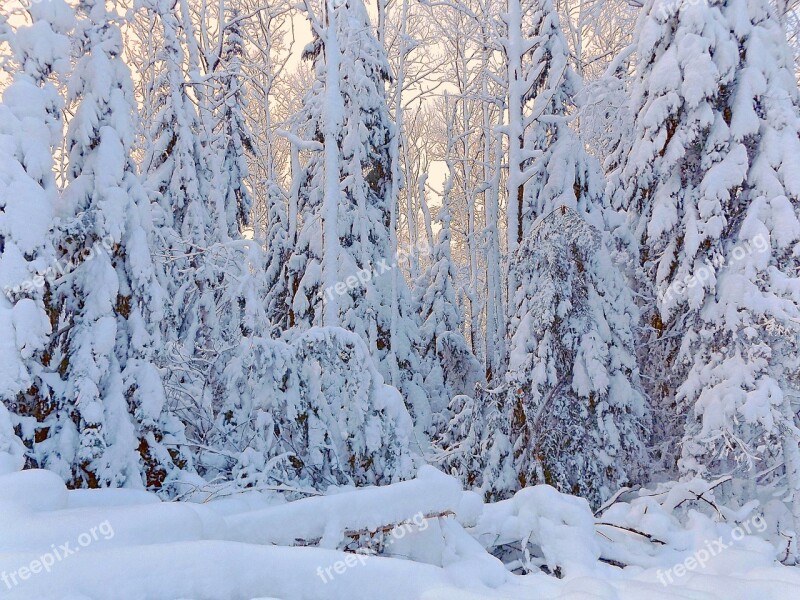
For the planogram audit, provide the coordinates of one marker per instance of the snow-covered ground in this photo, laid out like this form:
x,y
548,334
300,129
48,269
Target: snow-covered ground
x,y
122,544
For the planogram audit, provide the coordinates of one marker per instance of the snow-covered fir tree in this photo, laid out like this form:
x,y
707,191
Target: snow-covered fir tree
x,y
232,134
437,310
462,440
279,248
241,287
30,130
478,445
578,419
213,276
344,276
177,171
712,182
111,303
675,182
560,173
577,416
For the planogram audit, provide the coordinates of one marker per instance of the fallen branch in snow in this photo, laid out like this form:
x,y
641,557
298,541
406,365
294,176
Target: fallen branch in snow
x,y
785,560
228,489
388,528
701,496
636,531
384,529
611,501
612,562
308,520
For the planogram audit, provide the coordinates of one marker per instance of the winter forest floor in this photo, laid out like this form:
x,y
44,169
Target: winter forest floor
x,y
127,544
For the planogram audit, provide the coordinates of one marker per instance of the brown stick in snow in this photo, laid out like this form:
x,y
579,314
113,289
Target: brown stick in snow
x,y
636,531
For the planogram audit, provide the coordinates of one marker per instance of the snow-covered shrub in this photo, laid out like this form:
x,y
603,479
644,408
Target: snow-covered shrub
x,y
357,429
313,412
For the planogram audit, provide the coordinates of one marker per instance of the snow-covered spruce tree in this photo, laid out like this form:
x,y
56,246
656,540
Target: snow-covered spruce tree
x,y
344,276
561,173
675,180
30,129
189,222
578,419
462,411
476,446
281,238
461,440
242,285
235,267
111,304
233,138
713,179
540,95
279,248
177,172
734,261
213,276
437,310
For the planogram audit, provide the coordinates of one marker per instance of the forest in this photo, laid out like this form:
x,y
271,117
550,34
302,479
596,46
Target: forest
x,y
400,299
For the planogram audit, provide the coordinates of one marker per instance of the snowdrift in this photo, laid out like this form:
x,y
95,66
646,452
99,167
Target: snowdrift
x,y
423,538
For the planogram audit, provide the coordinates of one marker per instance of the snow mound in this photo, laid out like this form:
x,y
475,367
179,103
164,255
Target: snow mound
x,y
424,538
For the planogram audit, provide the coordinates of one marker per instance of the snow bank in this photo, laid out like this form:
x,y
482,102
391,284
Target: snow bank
x,y
215,570
121,544
560,528
33,490
327,518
